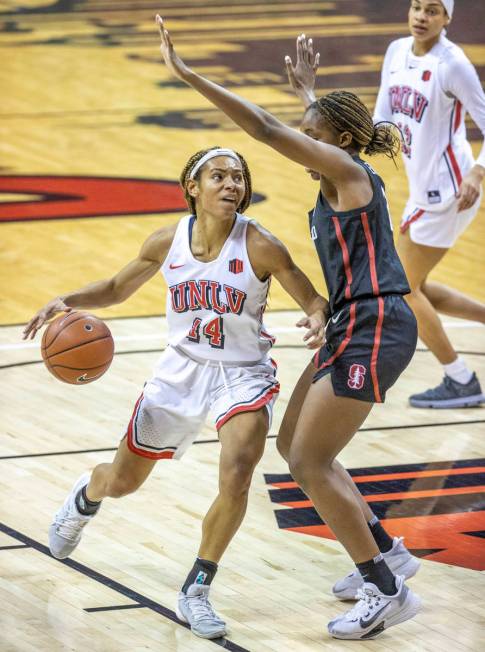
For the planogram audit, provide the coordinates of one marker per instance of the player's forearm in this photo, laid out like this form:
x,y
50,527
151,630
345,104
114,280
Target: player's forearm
x,y
99,294
253,119
318,307
306,96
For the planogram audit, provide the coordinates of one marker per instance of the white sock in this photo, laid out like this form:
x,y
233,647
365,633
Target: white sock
x,y
458,371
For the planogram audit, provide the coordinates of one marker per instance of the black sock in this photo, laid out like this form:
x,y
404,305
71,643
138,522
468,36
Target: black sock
x,y
203,572
383,540
377,571
84,505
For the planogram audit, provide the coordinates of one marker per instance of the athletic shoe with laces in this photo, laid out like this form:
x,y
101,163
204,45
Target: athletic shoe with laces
x,y
450,394
399,560
194,608
66,530
374,612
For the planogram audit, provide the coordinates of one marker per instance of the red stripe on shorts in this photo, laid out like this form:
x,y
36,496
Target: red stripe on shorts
x,y
417,214
249,407
131,442
375,350
343,343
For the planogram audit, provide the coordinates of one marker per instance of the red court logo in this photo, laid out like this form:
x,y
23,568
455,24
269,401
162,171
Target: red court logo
x,y
426,76
70,197
356,376
438,507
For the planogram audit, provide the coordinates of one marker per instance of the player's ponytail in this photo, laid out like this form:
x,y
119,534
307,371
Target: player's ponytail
x,y
192,162
345,111
385,140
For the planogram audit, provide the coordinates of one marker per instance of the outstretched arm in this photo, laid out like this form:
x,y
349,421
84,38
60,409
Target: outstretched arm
x,y
332,162
108,292
302,75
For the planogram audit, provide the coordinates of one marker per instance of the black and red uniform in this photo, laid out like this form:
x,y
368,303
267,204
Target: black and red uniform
x,y
372,332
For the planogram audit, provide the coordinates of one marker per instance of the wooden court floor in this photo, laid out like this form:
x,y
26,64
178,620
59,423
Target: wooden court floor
x,y
93,135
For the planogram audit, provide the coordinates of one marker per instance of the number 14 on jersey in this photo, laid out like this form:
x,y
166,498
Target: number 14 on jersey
x,y
213,331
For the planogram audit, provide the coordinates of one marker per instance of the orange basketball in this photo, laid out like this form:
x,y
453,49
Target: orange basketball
x,y
77,348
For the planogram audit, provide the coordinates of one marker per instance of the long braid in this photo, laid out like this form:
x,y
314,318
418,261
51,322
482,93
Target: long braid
x,y
345,111
185,175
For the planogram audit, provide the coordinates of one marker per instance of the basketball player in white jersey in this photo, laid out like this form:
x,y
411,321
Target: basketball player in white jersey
x,y
428,85
218,265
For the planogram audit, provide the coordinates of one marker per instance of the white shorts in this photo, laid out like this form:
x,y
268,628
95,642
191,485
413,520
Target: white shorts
x,y
175,403
440,230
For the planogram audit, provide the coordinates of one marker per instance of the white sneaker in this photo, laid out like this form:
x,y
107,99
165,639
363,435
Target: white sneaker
x,y
194,608
399,560
66,530
375,612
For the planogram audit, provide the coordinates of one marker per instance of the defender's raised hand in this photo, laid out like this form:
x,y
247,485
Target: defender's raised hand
x,y
173,62
302,75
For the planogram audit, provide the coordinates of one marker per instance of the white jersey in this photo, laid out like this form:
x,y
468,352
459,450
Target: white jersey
x,y
427,98
215,309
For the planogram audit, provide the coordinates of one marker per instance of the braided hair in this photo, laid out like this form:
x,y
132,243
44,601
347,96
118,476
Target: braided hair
x,y
185,177
345,111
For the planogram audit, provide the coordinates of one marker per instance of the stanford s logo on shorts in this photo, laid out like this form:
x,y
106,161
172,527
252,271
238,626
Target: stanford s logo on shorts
x,y
236,266
356,376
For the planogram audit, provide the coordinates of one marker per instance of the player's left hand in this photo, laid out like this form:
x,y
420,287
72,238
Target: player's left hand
x,y
315,335
302,75
469,190
173,62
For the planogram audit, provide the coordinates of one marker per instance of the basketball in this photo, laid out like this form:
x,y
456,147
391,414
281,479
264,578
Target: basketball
x,y
77,348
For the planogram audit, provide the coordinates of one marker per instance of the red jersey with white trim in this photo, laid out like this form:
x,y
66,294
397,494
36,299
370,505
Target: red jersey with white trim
x,y
356,248
215,309
427,98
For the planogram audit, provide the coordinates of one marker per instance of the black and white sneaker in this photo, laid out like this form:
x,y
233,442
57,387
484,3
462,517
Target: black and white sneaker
x,y
375,612
399,560
450,394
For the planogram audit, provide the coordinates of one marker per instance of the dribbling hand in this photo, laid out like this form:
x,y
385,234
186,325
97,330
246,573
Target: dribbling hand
x,y
49,311
173,62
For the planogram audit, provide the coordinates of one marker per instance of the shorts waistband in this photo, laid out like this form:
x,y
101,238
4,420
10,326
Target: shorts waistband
x,y
216,363
366,298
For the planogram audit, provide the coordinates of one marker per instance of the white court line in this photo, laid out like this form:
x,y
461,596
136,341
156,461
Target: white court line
x,y
16,346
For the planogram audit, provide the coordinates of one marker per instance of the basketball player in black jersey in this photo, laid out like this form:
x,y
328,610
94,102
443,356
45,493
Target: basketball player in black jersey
x,y
371,335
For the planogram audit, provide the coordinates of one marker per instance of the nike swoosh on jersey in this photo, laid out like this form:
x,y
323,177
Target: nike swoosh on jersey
x,y
366,623
176,266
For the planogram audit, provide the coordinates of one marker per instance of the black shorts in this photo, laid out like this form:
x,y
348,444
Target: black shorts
x,y
369,344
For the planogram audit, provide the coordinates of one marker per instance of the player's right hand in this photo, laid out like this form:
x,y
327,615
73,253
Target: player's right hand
x,y
49,311
302,75
172,60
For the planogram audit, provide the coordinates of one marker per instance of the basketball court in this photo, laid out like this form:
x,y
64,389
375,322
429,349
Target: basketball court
x,y
94,134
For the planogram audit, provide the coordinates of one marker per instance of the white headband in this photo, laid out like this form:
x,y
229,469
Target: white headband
x,y
448,5
212,154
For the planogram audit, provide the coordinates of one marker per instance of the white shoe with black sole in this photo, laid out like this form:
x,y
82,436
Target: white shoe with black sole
x,y
399,560
375,612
